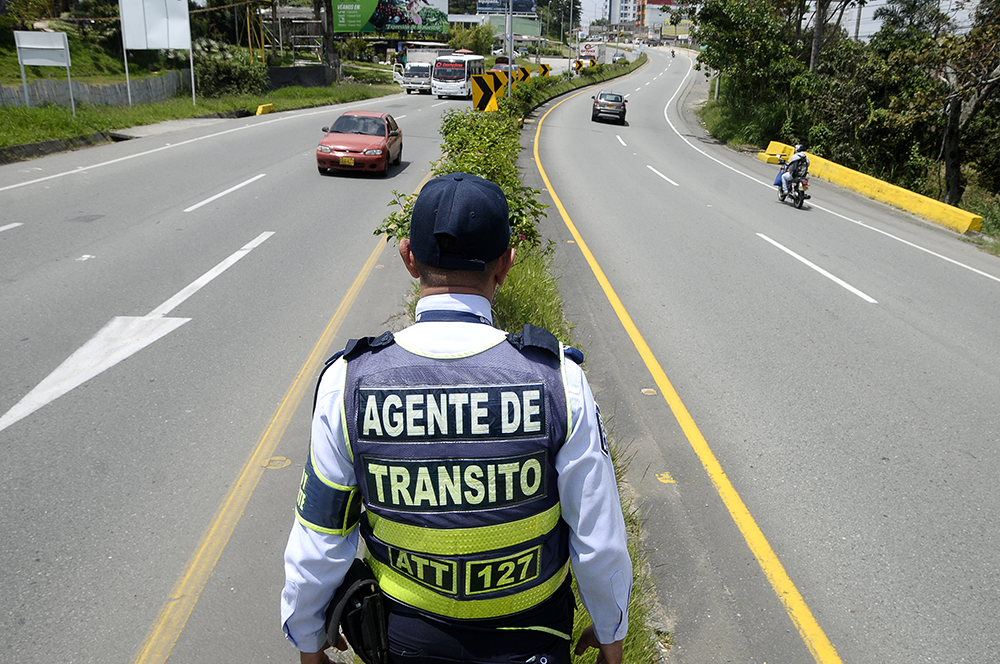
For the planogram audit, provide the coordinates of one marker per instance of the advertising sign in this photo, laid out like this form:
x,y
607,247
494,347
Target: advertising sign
x,y
500,6
425,16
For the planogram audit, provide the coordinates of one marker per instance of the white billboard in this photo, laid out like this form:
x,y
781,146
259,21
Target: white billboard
x,y
155,24
42,49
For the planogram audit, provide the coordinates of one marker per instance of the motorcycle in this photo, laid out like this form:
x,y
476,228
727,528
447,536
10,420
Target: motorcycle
x,y
797,186
672,54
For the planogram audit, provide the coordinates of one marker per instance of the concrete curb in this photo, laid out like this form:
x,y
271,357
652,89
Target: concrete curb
x,y
16,153
922,206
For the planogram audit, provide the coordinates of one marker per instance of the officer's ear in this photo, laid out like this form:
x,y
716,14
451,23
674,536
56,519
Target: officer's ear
x,y
504,263
409,260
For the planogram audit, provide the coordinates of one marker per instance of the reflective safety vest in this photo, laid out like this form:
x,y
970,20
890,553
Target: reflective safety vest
x,y
455,460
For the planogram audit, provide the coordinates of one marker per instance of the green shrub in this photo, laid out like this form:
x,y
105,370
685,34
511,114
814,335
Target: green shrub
x,y
221,70
356,49
486,145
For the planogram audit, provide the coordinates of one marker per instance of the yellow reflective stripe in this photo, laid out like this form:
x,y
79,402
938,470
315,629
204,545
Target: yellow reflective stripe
x,y
463,541
329,531
412,593
546,630
329,483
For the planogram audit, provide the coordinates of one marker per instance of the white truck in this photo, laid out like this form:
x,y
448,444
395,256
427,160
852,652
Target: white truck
x,y
593,51
415,75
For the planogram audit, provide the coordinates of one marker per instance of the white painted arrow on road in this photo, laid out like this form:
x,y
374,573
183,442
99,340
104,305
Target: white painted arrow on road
x,y
116,341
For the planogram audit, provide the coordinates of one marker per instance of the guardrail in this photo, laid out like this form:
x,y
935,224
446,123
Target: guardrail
x,y
920,205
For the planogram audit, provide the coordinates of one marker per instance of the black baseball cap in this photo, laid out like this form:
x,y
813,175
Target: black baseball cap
x,y
468,208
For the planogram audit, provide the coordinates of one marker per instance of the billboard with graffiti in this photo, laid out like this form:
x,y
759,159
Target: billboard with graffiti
x,y
426,16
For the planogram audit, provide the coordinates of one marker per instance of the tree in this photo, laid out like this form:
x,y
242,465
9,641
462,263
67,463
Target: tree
x,y
742,39
26,12
964,71
823,33
330,56
478,39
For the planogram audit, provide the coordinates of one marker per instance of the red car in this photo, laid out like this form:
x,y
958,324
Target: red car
x,y
360,141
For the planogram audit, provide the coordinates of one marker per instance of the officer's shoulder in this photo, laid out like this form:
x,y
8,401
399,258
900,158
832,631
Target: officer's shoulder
x,y
531,336
356,347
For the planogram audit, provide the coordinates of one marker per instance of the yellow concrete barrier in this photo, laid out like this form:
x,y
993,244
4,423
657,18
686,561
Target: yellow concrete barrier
x,y
922,206
265,108
773,151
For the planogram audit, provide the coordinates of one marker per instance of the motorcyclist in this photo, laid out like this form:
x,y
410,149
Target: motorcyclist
x,y
797,168
672,54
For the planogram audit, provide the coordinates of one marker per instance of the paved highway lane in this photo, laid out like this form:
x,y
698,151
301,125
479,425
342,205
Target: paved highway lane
x,y
837,361
232,264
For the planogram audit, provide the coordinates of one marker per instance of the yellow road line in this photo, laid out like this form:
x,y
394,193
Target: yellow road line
x,y
174,615
815,639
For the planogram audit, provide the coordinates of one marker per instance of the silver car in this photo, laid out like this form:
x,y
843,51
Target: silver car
x,y
608,104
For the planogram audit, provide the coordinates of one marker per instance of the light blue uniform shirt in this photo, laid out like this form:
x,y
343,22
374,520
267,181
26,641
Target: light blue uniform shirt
x,y
315,562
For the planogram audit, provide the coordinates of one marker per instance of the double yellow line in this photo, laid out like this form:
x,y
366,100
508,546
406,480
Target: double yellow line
x,y
819,645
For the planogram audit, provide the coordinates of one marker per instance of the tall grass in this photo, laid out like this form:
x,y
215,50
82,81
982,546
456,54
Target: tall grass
x,y
531,295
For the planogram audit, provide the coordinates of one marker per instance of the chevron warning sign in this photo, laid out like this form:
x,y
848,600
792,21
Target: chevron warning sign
x,y
500,82
523,75
543,70
482,93
577,65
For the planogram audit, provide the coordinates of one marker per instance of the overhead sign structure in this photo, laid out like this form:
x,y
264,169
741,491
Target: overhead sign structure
x,y
425,16
155,25
43,49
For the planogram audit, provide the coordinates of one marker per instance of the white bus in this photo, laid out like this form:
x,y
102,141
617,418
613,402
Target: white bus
x,y
452,74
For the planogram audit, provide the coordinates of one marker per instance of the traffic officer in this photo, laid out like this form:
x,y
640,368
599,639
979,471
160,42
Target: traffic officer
x,y
480,460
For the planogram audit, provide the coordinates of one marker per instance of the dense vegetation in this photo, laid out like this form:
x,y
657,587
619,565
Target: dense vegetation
x,y
915,106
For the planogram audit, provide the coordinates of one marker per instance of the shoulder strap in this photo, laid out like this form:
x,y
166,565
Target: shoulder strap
x,y
354,348
538,337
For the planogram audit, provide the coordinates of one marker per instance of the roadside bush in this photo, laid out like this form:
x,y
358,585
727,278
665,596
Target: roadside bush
x,y
221,70
356,49
486,145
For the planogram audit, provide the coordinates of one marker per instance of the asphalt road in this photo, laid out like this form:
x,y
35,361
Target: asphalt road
x,y
167,303
819,488
201,272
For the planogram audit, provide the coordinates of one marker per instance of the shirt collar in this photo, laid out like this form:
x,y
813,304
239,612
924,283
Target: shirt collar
x,y
475,304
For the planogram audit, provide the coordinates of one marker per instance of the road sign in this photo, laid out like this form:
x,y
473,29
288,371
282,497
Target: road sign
x,y
483,98
500,81
543,70
523,75
577,65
